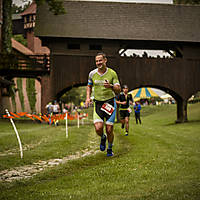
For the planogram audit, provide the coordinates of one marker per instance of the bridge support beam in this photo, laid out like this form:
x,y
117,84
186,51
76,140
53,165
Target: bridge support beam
x,y
181,111
46,93
5,104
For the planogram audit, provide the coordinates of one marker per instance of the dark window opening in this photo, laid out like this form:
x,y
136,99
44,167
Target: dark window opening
x,y
95,47
73,46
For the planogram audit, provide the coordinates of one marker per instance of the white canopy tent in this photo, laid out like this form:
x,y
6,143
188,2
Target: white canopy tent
x,y
166,96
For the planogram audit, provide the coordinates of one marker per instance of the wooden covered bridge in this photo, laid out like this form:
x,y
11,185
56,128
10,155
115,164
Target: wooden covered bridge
x,y
89,27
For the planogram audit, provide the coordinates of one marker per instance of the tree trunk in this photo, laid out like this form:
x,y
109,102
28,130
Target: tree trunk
x,y
7,26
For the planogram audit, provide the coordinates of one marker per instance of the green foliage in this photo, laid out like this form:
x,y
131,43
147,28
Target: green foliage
x,y
13,103
31,92
186,2
20,90
55,6
19,9
75,95
7,27
197,94
20,39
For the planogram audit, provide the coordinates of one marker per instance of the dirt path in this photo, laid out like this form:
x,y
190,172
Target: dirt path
x,y
29,171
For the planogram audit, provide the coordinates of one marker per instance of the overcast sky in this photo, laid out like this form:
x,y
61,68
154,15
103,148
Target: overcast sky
x,y
20,2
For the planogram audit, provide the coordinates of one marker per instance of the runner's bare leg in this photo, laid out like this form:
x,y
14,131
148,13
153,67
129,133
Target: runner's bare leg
x,y
99,128
109,131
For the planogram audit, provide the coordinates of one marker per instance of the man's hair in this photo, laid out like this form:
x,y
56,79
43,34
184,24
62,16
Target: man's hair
x,y
124,86
101,54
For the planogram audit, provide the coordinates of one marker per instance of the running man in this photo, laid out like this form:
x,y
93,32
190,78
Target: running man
x,y
124,100
105,83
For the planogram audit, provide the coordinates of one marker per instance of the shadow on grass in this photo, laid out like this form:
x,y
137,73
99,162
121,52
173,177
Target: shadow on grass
x,y
187,122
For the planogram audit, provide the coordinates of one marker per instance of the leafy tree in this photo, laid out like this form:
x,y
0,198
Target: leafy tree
x,y
55,6
7,26
193,2
20,38
31,92
75,95
19,9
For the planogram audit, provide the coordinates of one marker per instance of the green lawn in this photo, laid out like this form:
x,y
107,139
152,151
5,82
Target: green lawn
x,y
159,160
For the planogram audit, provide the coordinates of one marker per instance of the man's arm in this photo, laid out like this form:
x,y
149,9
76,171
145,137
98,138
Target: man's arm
x,y
116,88
88,95
115,83
121,102
131,99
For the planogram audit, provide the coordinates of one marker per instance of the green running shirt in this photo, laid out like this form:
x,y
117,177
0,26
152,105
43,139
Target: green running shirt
x,y
97,80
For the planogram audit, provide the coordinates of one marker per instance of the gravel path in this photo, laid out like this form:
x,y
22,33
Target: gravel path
x,y
29,171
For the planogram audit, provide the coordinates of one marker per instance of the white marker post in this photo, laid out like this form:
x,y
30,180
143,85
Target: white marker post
x,y
66,124
18,138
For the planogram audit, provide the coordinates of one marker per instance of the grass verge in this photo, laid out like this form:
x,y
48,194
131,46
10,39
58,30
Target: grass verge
x,y
158,160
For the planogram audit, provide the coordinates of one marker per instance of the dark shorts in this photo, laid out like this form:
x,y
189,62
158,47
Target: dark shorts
x,y
100,115
124,114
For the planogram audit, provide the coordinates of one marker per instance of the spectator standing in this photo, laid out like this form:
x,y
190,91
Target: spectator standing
x,y
56,108
49,108
137,108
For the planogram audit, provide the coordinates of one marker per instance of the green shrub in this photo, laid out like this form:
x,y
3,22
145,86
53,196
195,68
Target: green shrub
x,y
31,92
21,95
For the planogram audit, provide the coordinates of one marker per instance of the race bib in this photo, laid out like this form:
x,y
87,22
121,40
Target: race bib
x,y
129,110
107,108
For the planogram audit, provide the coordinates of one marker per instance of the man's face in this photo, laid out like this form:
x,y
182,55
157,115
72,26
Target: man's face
x,y
125,90
100,62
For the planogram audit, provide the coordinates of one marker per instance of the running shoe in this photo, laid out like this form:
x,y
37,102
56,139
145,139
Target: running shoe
x,y
109,152
103,144
126,134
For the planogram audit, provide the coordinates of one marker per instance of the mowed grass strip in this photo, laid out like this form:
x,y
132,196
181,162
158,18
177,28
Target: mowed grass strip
x,y
158,160
40,142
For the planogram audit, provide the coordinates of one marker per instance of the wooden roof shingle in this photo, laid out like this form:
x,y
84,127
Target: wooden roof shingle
x,y
121,21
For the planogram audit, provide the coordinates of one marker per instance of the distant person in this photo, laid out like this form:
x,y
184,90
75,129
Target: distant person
x,y
105,83
124,100
137,108
65,109
49,108
56,108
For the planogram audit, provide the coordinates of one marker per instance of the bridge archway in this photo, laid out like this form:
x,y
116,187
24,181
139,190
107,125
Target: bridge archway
x,y
135,72
73,49
61,93
181,110
181,107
